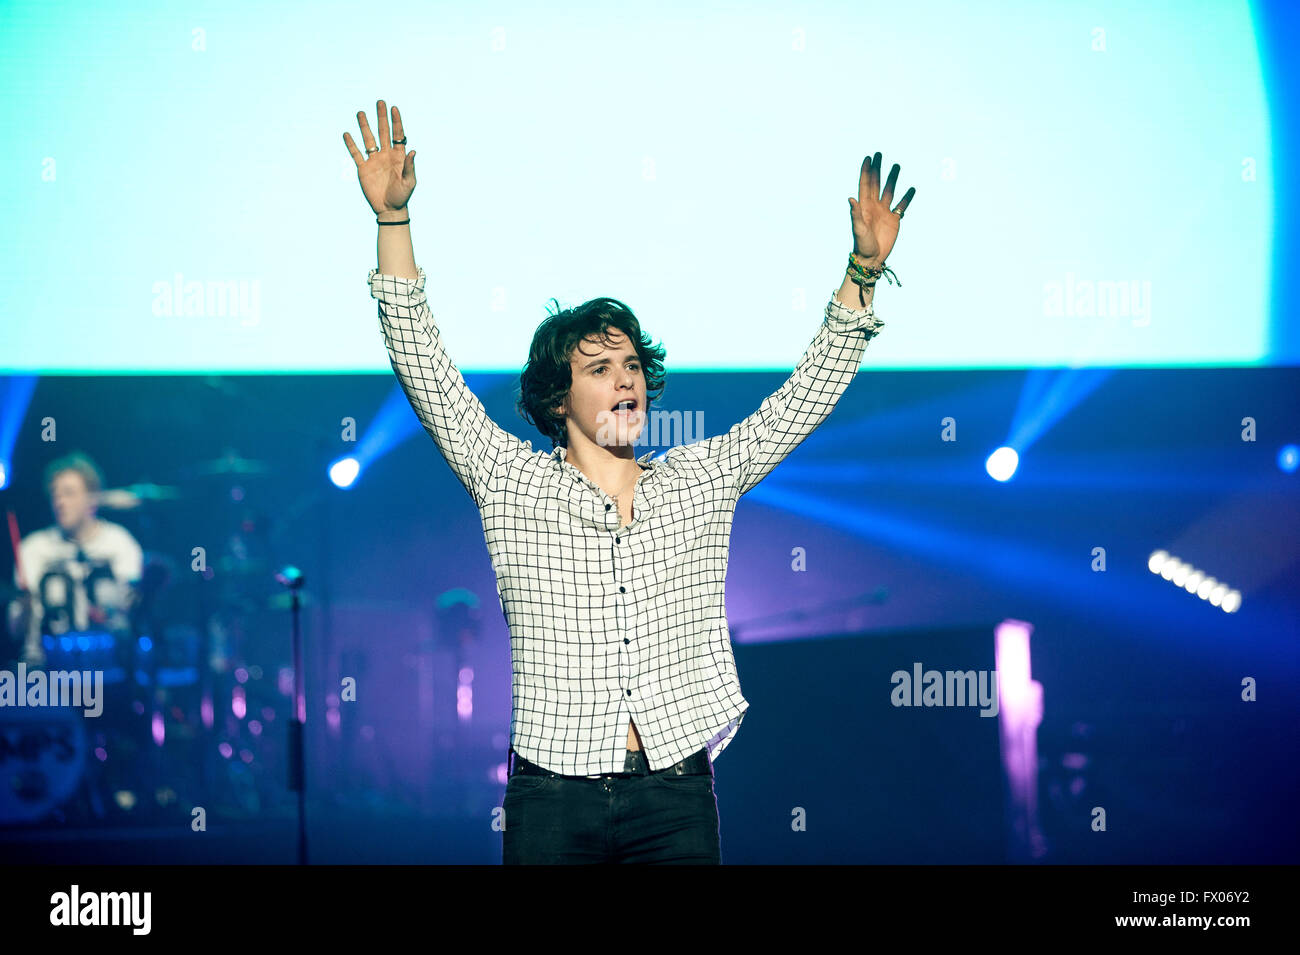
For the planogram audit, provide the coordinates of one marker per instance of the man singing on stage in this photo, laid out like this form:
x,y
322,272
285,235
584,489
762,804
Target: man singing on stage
x,y
610,570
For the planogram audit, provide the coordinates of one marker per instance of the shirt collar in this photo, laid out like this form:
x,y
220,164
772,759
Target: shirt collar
x,y
560,456
647,499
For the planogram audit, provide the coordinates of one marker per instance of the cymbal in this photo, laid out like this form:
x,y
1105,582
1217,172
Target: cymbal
x,y
229,463
155,492
133,495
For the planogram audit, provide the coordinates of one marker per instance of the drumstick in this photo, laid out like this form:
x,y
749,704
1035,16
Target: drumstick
x,y
14,540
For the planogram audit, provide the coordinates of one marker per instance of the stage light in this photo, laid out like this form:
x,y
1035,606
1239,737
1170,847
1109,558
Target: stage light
x,y
1287,459
1002,464
1194,580
15,398
344,471
1020,712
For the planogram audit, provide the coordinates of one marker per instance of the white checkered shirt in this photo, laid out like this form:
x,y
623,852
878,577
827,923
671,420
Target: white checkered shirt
x,y
607,624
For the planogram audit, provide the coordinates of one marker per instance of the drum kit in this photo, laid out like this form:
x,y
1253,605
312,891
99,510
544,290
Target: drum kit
x,y
195,675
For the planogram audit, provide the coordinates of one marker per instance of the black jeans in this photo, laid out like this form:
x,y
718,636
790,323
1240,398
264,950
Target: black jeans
x,y
625,817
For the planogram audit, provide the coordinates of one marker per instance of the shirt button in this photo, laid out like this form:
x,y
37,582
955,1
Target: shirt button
x,y
626,640
622,590
608,506
617,539
629,692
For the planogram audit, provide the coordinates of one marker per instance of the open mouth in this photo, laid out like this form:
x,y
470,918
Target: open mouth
x,y
625,406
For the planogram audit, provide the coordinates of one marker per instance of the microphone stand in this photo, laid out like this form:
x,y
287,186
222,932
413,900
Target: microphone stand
x,y
292,579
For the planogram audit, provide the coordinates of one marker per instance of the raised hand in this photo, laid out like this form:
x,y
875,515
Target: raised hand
x,y
875,226
387,175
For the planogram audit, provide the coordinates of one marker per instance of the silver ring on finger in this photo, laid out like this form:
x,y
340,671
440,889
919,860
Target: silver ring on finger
x,y
373,150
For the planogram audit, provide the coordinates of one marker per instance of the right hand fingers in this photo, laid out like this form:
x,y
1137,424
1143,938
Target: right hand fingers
x,y
397,127
382,111
366,137
385,138
352,148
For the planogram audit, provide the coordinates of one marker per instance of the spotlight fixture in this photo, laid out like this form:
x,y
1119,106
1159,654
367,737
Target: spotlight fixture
x,y
1194,581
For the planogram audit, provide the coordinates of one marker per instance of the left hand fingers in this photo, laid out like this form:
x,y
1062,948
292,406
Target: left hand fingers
x,y
907,197
869,189
864,181
869,193
888,196
869,180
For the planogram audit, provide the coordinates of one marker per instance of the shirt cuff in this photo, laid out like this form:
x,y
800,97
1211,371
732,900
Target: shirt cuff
x,y
842,318
393,290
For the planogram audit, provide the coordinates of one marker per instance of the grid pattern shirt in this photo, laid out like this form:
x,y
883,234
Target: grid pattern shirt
x,y
613,624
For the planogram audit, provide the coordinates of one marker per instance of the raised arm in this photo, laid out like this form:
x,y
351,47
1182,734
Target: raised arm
x,y
756,445
473,445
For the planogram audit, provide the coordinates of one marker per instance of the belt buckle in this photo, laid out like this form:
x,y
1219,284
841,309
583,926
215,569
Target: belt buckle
x,y
635,764
682,767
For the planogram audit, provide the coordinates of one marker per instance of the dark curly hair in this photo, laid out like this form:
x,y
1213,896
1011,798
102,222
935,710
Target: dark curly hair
x,y
548,375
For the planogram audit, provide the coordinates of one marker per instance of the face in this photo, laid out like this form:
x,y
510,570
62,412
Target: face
x,y
606,373
72,502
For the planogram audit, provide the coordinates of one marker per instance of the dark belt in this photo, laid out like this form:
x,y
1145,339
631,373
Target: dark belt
x,y
634,764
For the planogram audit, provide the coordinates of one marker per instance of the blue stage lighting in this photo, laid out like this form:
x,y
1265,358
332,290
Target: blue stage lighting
x,y
1002,464
344,471
1287,458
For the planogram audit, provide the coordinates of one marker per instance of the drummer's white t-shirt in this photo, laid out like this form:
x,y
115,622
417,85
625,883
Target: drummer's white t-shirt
x,y
110,548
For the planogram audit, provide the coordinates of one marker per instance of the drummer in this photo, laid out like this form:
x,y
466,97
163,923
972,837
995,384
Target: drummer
x,y
80,574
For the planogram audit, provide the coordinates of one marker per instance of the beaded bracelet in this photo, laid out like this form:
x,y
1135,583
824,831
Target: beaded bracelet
x,y
864,276
869,274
